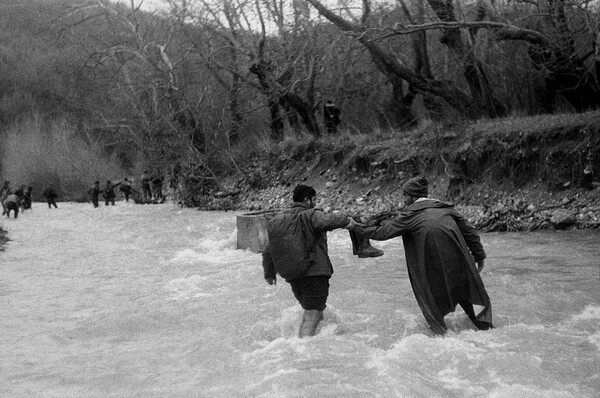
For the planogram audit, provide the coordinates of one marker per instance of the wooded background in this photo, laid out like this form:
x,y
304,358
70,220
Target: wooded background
x,y
197,82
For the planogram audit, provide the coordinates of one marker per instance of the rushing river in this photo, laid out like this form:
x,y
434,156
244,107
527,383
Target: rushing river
x,y
155,301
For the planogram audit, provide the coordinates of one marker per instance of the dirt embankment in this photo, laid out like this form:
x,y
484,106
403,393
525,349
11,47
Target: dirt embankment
x,y
504,175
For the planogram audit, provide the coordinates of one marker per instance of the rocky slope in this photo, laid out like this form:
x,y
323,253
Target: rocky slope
x,y
504,175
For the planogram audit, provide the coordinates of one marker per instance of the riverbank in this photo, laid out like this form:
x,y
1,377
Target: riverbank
x,y
514,174
489,208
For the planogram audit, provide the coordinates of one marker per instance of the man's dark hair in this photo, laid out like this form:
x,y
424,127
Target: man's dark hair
x,y
302,192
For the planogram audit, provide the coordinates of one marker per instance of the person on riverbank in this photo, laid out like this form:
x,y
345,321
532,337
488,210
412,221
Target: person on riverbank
x,y
441,250
50,195
311,289
27,201
331,116
126,188
157,189
145,185
94,193
109,194
11,202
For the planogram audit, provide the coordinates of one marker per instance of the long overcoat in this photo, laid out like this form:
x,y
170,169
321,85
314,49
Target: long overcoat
x,y
441,249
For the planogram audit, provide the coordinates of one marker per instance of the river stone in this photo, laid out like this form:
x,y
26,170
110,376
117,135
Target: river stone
x,y
562,218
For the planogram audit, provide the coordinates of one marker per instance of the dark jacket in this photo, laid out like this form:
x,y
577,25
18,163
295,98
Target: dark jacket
x,y
441,248
95,192
321,222
50,194
11,199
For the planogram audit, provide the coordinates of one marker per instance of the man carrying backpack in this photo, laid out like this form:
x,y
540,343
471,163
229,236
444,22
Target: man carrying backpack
x,y
308,248
109,193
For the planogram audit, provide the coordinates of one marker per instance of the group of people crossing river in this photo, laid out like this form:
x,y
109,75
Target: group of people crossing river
x,y
19,199
444,253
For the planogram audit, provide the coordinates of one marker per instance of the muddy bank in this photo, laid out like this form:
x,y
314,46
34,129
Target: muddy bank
x,y
516,174
488,208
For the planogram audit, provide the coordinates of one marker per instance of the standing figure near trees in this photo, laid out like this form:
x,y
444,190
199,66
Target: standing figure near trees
x,y
146,191
50,195
157,187
441,250
331,117
126,188
11,202
27,198
108,193
94,193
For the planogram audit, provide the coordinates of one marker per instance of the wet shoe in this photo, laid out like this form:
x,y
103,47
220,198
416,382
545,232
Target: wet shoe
x,y
370,252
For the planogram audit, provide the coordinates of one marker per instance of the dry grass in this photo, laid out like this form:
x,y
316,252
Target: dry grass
x,y
37,153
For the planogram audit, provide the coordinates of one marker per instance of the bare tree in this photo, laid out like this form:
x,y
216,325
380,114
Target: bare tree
x,y
160,119
398,72
563,44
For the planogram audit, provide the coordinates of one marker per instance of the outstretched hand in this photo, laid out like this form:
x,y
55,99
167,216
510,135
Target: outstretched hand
x,y
480,265
272,281
351,225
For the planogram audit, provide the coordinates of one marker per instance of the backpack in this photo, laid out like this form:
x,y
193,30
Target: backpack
x,y
291,243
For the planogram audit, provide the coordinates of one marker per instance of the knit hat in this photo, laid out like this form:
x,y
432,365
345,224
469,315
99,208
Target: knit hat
x,y
417,187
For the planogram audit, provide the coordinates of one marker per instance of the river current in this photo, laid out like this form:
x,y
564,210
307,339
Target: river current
x,y
156,301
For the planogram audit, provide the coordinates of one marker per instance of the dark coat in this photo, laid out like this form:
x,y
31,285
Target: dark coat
x,y
50,194
441,248
11,200
321,222
95,192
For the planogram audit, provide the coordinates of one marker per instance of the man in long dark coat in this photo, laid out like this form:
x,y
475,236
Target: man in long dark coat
x,y
441,251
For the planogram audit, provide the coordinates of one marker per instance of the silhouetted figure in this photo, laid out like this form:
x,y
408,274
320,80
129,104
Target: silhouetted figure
x,y
331,116
27,198
157,186
146,191
50,195
126,188
11,202
109,193
94,193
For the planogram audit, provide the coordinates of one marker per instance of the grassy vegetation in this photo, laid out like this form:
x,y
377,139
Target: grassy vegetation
x,y
38,153
480,163
518,151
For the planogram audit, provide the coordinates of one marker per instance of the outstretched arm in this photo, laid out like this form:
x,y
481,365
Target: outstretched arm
x,y
391,229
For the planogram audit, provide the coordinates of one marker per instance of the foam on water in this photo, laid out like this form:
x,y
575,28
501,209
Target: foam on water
x,y
156,301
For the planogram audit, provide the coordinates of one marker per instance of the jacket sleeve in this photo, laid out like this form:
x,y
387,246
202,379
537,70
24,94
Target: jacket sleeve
x,y
324,222
267,263
389,230
470,235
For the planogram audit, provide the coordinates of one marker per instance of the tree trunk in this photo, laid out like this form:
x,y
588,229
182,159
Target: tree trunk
x,y
474,73
270,87
388,64
565,70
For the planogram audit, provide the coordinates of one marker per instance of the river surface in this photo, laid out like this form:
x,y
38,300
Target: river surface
x,y
156,301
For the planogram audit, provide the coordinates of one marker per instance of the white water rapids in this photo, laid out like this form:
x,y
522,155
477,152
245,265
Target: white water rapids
x,y
155,301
